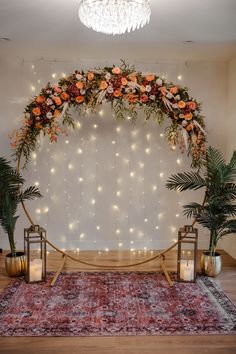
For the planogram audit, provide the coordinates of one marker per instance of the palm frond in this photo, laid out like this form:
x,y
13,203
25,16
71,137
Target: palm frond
x,y
30,193
185,181
192,210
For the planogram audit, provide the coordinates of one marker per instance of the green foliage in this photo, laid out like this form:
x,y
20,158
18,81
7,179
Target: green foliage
x,y
10,196
219,209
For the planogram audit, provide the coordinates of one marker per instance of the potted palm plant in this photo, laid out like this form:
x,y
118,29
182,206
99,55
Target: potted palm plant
x,y
218,210
11,196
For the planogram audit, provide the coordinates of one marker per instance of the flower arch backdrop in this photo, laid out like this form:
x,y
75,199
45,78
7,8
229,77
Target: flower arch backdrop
x,y
128,91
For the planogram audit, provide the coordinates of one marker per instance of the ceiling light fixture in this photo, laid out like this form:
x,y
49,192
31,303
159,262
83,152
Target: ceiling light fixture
x,y
114,16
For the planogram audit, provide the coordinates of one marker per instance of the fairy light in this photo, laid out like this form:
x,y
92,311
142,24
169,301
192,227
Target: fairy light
x,y
98,227
99,189
147,151
80,179
93,201
118,231
179,77
36,183
101,112
67,141
120,244
46,209
82,236
32,88
70,166
161,174
54,75
178,161
118,129
161,135
131,230
52,170
154,188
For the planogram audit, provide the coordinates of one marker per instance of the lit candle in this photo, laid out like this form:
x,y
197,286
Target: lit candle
x,y
35,270
187,270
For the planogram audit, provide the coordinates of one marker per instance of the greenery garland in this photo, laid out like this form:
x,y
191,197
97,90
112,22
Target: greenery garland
x,y
128,91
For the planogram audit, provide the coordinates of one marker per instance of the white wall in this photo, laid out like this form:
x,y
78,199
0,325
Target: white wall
x,y
72,219
229,242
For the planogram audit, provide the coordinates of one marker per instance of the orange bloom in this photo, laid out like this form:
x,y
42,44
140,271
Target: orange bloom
x,y
90,76
144,98
40,99
133,78
57,100
65,96
142,88
174,90
79,99
189,127
181,104
56,88
116,70
79,85
36,111
150,77
188,116
57,113
38,126
117,93
192,105
132,98
103,85
124,81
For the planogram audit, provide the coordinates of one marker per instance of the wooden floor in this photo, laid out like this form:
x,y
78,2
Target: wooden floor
x,y
125,345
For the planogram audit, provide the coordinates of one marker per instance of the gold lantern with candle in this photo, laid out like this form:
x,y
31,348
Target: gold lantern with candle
x,y
36,253
187,254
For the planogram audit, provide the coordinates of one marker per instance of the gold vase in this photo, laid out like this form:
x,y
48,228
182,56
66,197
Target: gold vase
x,y
210,264
15,265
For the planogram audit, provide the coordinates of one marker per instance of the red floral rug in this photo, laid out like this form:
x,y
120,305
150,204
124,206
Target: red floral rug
x,y
119,303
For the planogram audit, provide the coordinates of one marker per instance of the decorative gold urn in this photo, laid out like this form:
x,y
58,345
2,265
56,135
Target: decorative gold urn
x,y
15,265
210,264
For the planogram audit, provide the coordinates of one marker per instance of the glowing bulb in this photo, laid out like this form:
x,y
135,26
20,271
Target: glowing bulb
x,y
157,227
67,141
161,135
34,155
81,236
118,231
132,174
32,66
120,244
113,142
54,75
133,147
70,166
161,174
93,138
131,230
154,188
99,189
118,129
71,226
80,179
63,75
38,211
178,161
78,125
118,193
145,220
46,209
177,215
115,207
173,228
117,154
148,136
98,227
38,81
134,132
141,164
160,215
131,242
52,170
79,151
101,112
32,87
95,126
147,151
179,77
93,201
106,249
36,184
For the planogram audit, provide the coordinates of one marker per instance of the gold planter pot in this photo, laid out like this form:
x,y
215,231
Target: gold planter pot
x,y
15,266
210,264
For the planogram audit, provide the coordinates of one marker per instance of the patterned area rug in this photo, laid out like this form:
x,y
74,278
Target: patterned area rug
x,y
118,303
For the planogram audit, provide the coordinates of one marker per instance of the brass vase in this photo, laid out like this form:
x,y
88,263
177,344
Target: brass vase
x,y
210,264
15,265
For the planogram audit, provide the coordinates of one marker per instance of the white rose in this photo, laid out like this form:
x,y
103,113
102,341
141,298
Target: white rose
x,y
169,95
177,97
152,97
53,107
148,88
49,115
184,123
82,92
159,82
181,115
78,76
48,92
27,115
49,101
107,76
110,89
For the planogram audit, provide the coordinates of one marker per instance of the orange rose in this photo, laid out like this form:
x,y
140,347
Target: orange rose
x,y
188,116
79,85
116,70
133,78
142,88
117,93
57,100
174,90
124,81
192,105
103,85
65,96
144,98
132,98
189,127
150,77
79,99
90,76
40,99
36,111
56,88
181,104
57,113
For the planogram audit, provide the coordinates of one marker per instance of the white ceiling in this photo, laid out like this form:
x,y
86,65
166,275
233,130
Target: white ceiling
x,y
51,26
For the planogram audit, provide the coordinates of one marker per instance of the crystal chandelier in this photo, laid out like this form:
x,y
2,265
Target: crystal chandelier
x,y
114,16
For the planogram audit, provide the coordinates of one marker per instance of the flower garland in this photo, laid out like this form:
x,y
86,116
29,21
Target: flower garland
x,y
127,90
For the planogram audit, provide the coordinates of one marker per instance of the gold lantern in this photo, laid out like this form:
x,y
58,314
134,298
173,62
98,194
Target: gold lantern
x,y
36,253
187,254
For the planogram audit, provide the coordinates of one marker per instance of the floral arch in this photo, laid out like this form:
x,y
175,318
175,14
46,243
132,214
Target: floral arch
x,y
128,91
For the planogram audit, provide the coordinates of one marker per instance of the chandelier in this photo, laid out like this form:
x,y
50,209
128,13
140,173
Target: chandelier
x,y
114,16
